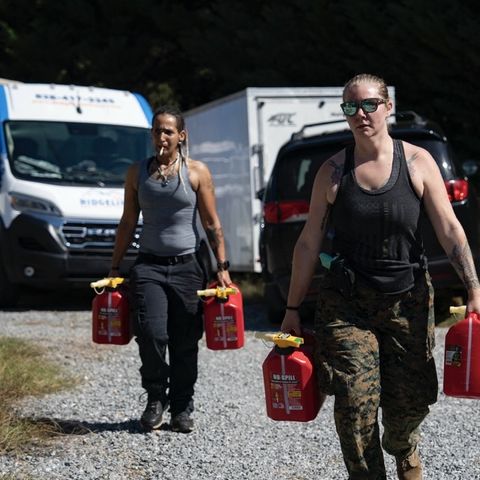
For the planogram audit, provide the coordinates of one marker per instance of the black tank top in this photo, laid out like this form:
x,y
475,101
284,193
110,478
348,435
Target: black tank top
x,y
377,231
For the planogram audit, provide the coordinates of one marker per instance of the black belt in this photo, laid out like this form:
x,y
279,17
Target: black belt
x,y
158,260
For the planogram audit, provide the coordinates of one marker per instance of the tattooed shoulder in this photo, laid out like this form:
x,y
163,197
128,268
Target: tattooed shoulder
x,y
336,171
411,163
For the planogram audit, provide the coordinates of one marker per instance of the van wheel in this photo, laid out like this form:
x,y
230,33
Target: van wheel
x,y
274,304
8,291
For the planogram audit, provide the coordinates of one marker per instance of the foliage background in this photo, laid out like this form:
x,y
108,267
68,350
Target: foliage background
x,y
190,52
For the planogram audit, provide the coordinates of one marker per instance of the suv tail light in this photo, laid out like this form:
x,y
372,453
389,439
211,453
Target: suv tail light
x,y
288,211
297,210
457,190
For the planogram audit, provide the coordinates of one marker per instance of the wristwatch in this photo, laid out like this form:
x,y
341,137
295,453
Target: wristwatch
x,y
223,265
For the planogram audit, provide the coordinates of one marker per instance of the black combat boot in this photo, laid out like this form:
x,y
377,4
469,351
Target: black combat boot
x,y
182,422
152,415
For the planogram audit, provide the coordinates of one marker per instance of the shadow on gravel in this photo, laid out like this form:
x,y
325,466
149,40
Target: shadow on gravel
x,y
74,299
57,426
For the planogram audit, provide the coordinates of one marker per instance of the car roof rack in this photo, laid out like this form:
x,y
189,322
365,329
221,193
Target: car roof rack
x,y
301,133
406,116
409,115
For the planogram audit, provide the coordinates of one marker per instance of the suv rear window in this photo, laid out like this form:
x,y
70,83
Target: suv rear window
x,y
297,169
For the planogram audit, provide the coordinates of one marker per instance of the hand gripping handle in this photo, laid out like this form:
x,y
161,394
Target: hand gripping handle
x,y
460,310
112,282
282,340
219,292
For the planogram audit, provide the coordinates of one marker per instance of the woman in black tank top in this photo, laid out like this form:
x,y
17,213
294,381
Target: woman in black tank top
x,y
374,321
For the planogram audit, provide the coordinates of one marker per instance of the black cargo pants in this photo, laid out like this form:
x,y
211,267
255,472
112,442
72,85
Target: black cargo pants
x,y
167,314
375,350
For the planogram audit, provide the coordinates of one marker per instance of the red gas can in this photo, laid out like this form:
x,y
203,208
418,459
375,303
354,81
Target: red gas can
x,y
223,317
291,392
462,358
111,316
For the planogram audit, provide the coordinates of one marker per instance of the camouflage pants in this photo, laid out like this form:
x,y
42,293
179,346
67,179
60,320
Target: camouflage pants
x,y
375,350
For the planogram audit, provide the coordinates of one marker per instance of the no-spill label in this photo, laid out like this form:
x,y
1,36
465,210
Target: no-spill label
x,y
109,322
453,355
286,393
225,328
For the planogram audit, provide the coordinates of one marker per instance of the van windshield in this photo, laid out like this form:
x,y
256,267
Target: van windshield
x,y
74,153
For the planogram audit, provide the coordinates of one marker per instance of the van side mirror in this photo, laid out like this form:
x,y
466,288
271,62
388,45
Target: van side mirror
x,y
470,168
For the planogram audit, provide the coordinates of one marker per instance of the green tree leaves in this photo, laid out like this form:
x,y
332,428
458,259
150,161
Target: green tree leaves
x,y
192,52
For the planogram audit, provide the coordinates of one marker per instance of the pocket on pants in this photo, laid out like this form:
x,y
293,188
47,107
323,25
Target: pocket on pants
x,y
417,307
323,372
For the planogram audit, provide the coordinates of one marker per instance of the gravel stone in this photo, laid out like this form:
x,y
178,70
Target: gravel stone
x,y
233,438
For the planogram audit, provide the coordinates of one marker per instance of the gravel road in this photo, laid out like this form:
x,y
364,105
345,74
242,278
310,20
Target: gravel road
x,y
233,438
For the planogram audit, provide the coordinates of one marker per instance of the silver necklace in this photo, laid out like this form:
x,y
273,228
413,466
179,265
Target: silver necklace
x,y
167,172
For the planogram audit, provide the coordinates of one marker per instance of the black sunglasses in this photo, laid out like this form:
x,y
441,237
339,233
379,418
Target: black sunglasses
x,y
369,105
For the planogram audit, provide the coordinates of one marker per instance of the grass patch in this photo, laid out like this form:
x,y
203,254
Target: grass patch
x,y
24,371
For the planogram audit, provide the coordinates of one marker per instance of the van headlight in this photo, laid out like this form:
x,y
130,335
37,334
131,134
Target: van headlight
x,y
25,203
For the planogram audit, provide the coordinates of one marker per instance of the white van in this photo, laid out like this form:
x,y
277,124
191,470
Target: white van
x,y
64,151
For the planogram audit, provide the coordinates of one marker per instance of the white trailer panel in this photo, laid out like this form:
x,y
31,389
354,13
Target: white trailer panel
x,y
238,137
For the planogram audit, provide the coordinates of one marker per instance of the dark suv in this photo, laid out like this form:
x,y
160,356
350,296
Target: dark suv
x,y
286,204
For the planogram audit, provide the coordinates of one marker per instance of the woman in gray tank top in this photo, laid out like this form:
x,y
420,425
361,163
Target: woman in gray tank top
x,y
170,190
374,321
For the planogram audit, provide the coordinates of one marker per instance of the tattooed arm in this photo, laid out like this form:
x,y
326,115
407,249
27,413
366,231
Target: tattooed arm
x,y
202,182
216,241
428,182
462,260
307,248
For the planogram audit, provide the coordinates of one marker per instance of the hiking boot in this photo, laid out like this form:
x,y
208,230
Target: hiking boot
x,y
182,423
409,468
152,415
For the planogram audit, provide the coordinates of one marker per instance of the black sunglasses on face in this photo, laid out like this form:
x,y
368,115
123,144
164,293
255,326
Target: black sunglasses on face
x,y
369,105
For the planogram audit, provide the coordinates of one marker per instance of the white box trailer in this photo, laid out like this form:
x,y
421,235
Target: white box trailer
x,y
238,137
64,151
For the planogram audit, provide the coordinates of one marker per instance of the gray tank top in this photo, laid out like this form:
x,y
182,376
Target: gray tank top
x,y
169,214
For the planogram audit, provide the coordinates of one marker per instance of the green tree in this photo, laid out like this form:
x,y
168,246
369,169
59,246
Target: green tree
x,y
192,52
